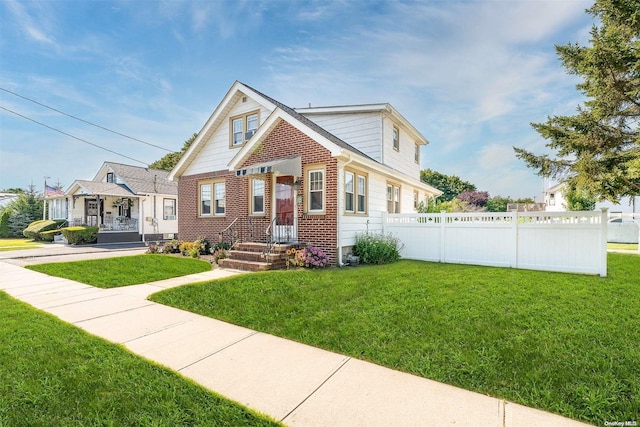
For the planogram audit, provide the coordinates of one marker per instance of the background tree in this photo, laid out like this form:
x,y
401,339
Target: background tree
x,y
169,161
599,147
476,199
498,204
450,186
21,212
578,200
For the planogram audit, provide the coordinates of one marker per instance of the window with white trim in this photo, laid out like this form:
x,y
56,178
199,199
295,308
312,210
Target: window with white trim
x,y
169,209
416,156
257,196
393,198
316,190
242,128
219,200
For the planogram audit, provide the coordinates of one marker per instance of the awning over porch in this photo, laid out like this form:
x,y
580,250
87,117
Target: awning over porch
x,y
287,166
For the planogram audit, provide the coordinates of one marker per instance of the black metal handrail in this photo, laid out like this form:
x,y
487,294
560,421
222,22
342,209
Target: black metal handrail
x,y
259,230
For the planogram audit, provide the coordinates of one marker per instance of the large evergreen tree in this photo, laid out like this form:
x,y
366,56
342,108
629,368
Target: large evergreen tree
x,y
599,147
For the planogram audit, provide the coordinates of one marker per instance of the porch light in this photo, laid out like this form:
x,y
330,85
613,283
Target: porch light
x,y
297,184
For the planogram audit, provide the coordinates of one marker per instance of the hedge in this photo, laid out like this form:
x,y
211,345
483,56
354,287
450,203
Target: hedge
x,y
81,234
4,223
35,229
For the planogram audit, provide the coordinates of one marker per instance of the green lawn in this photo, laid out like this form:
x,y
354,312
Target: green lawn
x,y
54,374
17,244
124,271
565,343
624,246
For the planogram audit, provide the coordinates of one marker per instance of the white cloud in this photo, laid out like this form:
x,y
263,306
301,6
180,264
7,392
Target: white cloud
x,y
35,25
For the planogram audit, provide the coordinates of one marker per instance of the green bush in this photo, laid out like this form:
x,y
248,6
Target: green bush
x,y
4,223
80,234
35,229
377,248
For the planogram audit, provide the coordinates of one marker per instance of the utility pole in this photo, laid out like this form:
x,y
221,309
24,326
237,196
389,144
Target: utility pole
x,y
44,199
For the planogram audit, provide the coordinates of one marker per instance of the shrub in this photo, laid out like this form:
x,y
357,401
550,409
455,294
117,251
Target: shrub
x,y
81,234
4,223
172,247
35,229
219,254
377,248
154,248
205,246
310,257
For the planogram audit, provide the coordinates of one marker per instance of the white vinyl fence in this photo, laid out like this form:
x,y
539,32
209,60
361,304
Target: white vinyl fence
x,y
573,242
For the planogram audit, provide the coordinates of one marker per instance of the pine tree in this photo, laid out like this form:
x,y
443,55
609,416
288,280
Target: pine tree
x,y
599,147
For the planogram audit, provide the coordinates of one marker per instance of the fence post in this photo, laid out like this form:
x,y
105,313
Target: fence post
x,y
515,232
443,235
603,241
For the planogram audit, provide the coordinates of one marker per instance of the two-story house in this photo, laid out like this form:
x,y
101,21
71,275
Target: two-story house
x,y
259,170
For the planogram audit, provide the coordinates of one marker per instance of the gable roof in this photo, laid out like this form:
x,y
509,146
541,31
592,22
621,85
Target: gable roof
x,y
91,188
139,180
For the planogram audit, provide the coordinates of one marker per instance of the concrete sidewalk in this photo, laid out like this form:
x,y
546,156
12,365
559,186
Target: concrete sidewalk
x,y
292,382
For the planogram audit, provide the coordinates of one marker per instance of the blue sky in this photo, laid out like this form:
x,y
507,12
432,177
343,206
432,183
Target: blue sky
x,y
469,75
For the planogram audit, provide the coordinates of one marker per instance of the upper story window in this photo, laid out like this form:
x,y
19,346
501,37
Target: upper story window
x,y
416,156
257,196
169,209
316,187
211,197
111,177
243,127
396,138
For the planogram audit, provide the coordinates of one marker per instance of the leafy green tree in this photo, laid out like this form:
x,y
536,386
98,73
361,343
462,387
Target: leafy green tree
x,y
599,147
451,186
498,203
169,161
578,200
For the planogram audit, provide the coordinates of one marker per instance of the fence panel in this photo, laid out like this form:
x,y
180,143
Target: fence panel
x,y
572,242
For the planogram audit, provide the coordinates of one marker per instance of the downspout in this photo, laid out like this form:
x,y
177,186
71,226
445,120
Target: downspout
x,y
141,208
341,209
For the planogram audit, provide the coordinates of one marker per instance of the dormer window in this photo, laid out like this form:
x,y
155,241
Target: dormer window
x,y
396,138
242,128
111,177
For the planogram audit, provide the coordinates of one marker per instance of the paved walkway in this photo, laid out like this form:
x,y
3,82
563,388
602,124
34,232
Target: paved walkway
x,y
292,382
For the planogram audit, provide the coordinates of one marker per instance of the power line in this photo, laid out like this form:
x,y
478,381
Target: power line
x,y
72,136
85,121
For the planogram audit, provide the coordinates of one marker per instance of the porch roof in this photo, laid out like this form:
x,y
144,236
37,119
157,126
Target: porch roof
x,y
102,188
286,166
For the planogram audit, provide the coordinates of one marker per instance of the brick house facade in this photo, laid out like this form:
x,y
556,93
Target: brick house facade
x,y
266,162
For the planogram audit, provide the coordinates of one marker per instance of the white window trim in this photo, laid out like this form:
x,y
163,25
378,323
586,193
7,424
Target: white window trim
x,y
175,209
244,117
395,130
308,191
252,208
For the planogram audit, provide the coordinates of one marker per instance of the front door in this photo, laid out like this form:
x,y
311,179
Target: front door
x,y
92,211
285,213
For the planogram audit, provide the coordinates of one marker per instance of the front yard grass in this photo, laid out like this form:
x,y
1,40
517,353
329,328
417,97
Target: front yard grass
x,y
53,374
124,271
18,244
565,343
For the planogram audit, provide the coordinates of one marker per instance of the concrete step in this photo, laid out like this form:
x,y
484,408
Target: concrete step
x,y
238,264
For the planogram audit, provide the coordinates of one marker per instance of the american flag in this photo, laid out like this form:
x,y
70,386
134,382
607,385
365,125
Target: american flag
x,y
52,191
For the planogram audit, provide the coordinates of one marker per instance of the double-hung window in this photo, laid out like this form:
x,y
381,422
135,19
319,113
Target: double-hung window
x,y
243,127
393,198
169,209
355,192
211,197
396,138
349,191
257,196
315,203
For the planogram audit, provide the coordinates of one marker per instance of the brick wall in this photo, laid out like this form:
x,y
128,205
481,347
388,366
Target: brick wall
x,y
284,141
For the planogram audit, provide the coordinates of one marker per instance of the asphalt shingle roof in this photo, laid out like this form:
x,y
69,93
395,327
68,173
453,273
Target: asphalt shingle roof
x,y
144,180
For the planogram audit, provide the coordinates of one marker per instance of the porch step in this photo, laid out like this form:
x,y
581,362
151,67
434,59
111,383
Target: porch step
x,y
254,256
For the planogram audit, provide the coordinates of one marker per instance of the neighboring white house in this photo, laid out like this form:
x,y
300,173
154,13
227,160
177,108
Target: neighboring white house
x,y
127,203
313,175
6,198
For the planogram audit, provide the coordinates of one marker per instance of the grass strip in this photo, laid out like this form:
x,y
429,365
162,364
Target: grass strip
x,y
564,343
54,374
18,244
124,271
